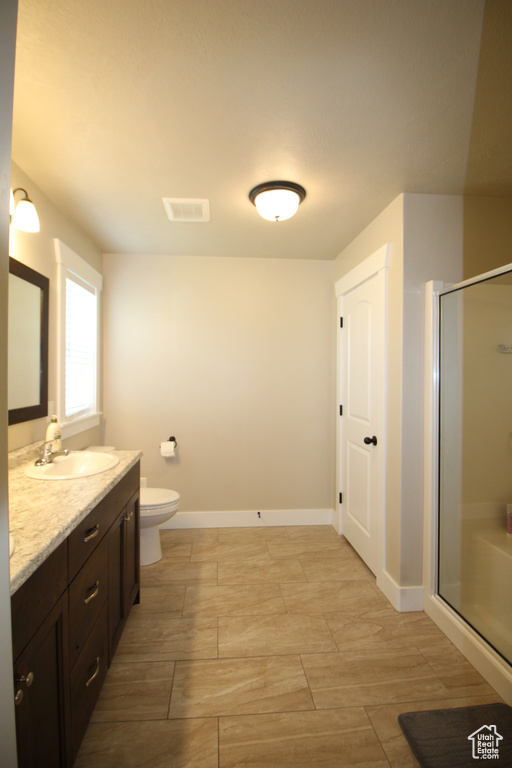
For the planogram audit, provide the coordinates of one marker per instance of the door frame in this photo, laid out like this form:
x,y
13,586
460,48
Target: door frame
x,y
375,265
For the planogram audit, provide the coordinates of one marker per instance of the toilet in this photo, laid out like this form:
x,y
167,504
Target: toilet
x,y
156,506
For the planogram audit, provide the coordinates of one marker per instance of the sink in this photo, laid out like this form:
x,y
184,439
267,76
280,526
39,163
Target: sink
x,y
75,464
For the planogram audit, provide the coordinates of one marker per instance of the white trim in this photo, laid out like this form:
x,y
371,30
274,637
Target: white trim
x,y
489,663
430,431
369,267
249,518
403,599
69,262
338,523
64,255
80,424
376,264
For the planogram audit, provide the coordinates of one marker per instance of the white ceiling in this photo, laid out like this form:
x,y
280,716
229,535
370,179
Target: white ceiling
x,y
121,103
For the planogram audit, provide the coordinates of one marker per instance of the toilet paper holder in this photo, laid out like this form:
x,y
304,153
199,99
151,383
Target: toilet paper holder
x,y
168,448
172,439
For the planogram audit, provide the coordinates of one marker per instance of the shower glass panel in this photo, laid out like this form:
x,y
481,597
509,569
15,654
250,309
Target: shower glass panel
x,y
475,457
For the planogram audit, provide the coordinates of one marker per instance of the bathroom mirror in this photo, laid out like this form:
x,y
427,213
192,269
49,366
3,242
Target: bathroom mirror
x,y
27,394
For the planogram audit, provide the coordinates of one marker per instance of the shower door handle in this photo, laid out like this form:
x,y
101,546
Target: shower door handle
x,y
370,440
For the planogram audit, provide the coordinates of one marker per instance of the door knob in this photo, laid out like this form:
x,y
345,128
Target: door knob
x,y
370,440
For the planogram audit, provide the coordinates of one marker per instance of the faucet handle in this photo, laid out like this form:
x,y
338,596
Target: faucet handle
x,y
45,452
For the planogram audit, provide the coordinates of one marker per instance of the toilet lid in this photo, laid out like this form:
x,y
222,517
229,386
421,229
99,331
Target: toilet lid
x,y
153,498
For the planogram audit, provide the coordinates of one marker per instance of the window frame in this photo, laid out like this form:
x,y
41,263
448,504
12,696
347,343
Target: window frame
x,y
70,265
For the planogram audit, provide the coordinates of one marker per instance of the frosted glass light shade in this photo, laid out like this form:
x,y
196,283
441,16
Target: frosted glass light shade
x,y
25,216
277,204
277,200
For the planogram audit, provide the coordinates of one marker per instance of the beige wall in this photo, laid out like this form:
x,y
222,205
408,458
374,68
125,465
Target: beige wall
x,y
433,250
487,234
235,357
486,443
37,251
425,235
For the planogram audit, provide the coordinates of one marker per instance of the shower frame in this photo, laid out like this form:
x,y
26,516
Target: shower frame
x,y
474,647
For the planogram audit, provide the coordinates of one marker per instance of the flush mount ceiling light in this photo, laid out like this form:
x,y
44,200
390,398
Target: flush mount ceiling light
x,y
277,200
24,215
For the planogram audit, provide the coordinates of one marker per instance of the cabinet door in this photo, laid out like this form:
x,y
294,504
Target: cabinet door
x,y
132,554
41,688
115,584
124,569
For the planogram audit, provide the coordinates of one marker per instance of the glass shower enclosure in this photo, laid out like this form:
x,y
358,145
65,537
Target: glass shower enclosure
x,y
475,456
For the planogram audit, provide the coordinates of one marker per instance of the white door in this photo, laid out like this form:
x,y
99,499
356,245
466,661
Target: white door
x,y
361,438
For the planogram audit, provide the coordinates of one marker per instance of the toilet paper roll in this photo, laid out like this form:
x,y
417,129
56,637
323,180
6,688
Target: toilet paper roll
x,y
167,449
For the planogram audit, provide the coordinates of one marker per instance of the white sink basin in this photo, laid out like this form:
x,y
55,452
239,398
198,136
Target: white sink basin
x,y
75,464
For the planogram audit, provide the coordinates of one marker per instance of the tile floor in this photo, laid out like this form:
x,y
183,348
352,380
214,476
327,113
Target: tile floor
x,y
269,647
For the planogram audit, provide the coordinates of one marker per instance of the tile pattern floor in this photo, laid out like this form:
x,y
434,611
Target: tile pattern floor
x,y
268,648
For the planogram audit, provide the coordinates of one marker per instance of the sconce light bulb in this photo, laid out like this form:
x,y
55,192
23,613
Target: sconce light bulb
x,y
25,215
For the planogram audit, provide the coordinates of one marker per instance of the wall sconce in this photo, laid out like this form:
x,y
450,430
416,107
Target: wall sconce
x,y
277,200
23,213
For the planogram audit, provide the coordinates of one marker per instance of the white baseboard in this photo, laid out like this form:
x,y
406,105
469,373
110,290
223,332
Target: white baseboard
x,y
403,599
489,663
249,518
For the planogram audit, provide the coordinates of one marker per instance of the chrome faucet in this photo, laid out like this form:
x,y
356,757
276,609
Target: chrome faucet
x,y
47,455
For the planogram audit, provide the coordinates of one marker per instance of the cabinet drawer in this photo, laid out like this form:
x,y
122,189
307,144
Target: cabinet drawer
x,y
85,538
88,533
87,594
87,678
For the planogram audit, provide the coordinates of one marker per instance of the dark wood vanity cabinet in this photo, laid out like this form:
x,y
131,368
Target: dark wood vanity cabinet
x,y
40,673
66,622
124,568
41,669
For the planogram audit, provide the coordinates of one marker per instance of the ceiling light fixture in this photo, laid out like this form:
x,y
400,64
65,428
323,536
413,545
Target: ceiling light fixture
x,y
277,200
24,216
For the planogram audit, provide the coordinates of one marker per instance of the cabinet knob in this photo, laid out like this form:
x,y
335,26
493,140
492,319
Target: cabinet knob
x,y
28,680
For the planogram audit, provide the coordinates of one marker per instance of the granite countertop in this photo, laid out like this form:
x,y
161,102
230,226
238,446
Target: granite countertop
x,y
42,513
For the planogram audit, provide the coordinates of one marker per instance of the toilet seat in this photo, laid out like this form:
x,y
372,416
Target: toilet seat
x,y
154,499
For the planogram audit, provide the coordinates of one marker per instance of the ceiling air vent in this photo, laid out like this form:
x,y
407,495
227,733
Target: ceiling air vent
x,y
187,209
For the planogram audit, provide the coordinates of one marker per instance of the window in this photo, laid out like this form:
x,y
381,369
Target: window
x,y
79,287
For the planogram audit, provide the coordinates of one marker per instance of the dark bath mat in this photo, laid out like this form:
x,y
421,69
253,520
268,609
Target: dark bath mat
x,y
457,738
